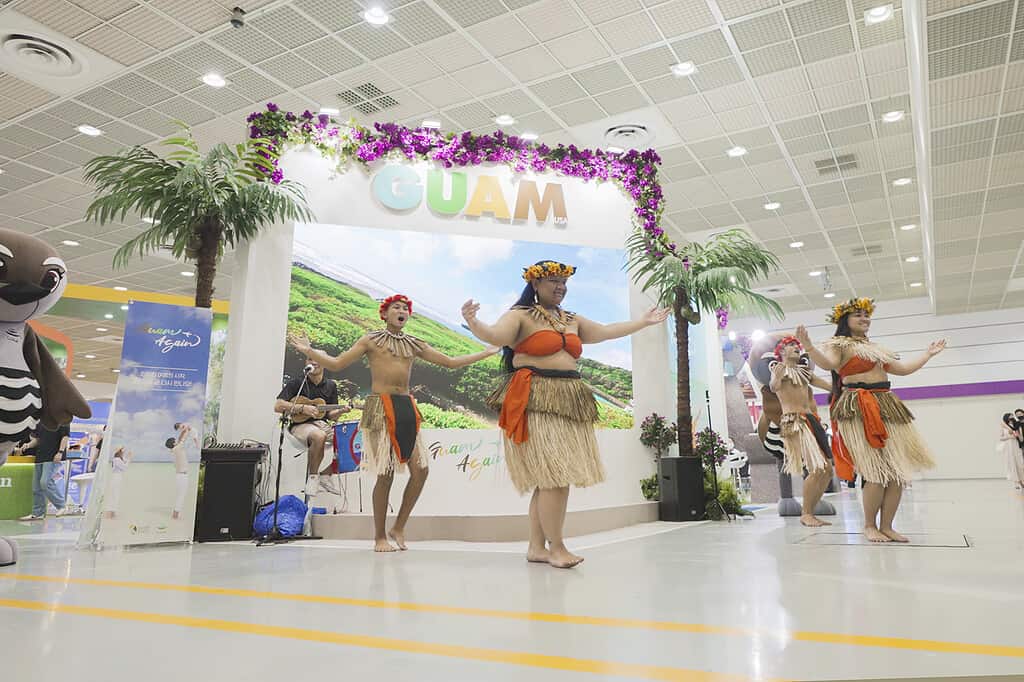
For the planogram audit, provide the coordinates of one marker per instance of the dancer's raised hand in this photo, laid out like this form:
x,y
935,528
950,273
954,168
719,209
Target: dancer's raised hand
x,y
656,316
300,342
469,310
936,347
802,336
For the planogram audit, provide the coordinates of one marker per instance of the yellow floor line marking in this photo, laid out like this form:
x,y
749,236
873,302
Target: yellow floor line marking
x,y
937,646
580,665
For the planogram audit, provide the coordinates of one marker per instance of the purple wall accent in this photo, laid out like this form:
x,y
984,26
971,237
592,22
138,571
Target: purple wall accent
x,y
949,390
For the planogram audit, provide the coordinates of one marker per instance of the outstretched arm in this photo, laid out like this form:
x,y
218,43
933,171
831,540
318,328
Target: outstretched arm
x,y
595,332
436,357
828,359
776,381
821,383
332,363
902,368
502,333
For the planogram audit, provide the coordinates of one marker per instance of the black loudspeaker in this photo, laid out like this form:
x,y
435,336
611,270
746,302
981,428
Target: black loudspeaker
x,y
226,504
681,489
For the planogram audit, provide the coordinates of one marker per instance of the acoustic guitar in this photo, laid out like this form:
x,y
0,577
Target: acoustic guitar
x,y
321,405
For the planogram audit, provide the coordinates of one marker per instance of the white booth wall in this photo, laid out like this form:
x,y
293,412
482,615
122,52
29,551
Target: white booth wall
x,y
984,347
599,215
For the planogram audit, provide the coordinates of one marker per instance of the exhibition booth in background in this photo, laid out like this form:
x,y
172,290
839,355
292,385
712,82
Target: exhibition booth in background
x,y
442,237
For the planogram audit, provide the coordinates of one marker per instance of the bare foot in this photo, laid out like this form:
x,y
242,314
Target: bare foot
x,y
812,521
894,536
538,555
399,537
563,558
382,545
175,515
875,535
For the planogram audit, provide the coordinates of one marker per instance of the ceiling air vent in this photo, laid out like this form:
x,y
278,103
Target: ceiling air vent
x,y
869,250
627,136
367,99
39,55
834,164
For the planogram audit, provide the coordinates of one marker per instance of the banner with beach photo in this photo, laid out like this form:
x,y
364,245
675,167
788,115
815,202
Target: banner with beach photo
x,y
147,476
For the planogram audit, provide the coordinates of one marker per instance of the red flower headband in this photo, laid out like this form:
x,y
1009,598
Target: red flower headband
x,y
386,303
789,340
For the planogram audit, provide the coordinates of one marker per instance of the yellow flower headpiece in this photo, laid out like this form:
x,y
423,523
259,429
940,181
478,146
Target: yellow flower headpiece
x,y
847,307
548,268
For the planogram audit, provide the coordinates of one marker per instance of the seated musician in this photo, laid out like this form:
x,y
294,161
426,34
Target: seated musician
x,y
316,432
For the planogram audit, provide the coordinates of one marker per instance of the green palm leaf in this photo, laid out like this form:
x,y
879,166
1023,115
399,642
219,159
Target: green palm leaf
x,y
201,205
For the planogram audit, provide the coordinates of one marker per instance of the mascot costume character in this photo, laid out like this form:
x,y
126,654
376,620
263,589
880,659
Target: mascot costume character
x,y
33,388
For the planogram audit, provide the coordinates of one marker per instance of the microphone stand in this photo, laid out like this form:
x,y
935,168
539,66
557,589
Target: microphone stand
x,y
274,536
714,461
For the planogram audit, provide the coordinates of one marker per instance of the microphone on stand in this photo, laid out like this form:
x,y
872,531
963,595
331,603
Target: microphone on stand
x,y
307,369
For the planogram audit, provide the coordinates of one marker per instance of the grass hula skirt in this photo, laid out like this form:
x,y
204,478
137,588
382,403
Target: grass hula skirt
x,y
802,449
556,447
383,422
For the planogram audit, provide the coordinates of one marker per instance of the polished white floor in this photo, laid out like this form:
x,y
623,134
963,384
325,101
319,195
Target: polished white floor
x,y
780,592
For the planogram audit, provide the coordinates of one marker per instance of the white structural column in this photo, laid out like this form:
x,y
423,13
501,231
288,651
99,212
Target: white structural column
x,y
256,330
916,31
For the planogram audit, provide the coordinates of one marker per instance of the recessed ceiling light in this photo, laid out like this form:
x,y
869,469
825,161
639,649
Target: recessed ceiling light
x,y
757,334
109,316
214,80
908,227
1,171
732,336
893,116
90,356
912,259
186,273
430,124
151,221
683,69
915,284
772,206
830,295
615,150
70,242
901,182
814,273
79,376
795,245
120,288
330,111
736,151
376,16
89,130
529,137
878,14
504,120
116,371
124,307
102,329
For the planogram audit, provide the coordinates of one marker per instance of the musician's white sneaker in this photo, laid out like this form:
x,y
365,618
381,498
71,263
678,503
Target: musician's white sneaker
x,y
327,483
312,485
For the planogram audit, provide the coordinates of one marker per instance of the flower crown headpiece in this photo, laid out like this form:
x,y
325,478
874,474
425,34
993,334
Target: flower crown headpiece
x,y
847,307
548,268
386,303
786,341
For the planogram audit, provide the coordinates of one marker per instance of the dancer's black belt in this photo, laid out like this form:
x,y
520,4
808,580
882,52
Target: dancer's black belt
x,y
876,386
552,373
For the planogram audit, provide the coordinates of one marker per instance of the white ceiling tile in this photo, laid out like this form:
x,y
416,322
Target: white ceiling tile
x,y
782,84
668,88
888,57
680,110
601,78
483,79
730,97
576,49
372,42
418,23
741,119
502,35
630,33
778,57
833,71
698,128
117,45
599,11
441,92
841,95
579,112
622,100
732,9
964,110
794,106
59,15
333,15
530,64
557,90
653,63
550,19
514,102
677,17
198,15
151,28
453,52
774,175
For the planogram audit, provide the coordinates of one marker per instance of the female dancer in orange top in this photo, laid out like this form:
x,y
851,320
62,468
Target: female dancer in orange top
x,y
547,411
874,426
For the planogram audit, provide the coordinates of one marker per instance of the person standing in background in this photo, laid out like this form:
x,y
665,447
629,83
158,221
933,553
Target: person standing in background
x,y
1019,418
1008,447
50,449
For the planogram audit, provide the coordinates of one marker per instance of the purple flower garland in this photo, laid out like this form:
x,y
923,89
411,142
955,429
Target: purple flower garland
x,y
635,172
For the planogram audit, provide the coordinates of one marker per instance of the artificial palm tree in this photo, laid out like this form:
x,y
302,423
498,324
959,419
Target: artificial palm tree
x,y
199,205
701,278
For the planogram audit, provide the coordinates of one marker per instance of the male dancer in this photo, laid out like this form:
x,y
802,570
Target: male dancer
x,y
804,437
391,422
177,448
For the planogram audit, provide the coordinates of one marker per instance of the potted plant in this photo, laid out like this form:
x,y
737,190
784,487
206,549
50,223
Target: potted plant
x,y
696,279
657,434
199,205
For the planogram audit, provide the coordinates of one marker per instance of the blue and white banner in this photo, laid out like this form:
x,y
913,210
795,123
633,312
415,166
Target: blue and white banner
x,y
147,477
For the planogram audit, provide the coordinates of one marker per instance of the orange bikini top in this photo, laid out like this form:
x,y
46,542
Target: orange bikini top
x,y
549,342
858,365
